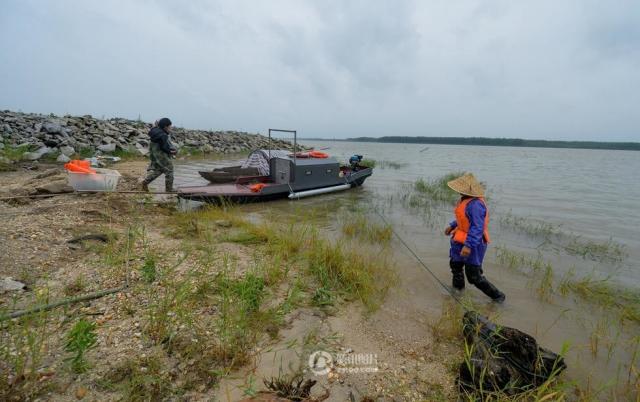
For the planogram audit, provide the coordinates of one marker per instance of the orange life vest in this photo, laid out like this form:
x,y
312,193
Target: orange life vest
x,y
460,232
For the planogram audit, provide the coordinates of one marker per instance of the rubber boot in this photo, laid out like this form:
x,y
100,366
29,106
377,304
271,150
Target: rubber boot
x,y
145,186
457,281
490,290
168,185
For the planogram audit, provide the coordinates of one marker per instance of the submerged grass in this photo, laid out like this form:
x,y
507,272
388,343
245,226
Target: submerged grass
x,y
370,163
603,292
529,226
437,190
607,251
383,164
595,250
427,197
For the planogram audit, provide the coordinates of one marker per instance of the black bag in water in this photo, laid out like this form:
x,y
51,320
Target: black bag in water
x,y
503,359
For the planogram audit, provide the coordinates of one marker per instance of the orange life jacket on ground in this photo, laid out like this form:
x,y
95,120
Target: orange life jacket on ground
x,y
460,232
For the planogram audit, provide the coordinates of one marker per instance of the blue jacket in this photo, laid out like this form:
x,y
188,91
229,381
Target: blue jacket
x,y
476,213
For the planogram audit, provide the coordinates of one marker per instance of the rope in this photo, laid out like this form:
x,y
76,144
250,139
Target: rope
x,y
445,287
79,192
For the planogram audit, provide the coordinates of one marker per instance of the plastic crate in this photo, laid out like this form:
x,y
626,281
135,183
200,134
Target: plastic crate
x,y
102,180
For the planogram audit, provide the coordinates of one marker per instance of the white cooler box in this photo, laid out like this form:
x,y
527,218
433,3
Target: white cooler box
x,y
102,180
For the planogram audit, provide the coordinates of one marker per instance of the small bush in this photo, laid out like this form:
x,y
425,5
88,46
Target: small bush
x,y
80,339
148,269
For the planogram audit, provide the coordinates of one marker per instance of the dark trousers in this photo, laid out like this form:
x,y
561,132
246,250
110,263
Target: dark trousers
x,y
474,275
160,164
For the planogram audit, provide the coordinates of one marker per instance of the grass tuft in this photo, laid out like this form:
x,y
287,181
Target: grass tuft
x,y
370,163
358,225
80,339
341,268
437,190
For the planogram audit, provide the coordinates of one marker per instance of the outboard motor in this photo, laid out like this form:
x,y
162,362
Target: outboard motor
x,y
354,161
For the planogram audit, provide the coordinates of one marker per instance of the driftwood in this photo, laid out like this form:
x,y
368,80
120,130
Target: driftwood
x,y
503,359
71,300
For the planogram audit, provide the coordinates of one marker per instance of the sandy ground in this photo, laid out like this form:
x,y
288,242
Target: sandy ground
x,y
409,363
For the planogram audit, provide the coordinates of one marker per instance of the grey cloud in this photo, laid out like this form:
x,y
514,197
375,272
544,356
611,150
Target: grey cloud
x,y
543,69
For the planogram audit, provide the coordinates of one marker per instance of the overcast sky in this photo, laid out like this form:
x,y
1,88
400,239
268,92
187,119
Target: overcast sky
x,y
529,69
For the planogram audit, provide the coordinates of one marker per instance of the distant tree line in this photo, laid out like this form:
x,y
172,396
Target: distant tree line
x,y
503,142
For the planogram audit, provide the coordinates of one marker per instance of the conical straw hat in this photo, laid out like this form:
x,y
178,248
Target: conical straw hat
x,y
467,185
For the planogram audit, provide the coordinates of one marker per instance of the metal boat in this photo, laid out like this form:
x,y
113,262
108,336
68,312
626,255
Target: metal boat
x,y
282,174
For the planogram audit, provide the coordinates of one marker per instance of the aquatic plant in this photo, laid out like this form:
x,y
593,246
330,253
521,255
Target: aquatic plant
x,y
597,251
603,292
370,163
573,244
599,291
437,189
529,226
384,164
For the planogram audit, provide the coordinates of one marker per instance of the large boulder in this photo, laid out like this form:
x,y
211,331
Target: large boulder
x,y
67,150
52,127
50,143
63,158
55,187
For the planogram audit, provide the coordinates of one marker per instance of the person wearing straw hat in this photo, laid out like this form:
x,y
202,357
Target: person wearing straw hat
x,y
470,236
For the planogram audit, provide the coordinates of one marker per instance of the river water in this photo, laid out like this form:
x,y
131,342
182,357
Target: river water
x,y
589,199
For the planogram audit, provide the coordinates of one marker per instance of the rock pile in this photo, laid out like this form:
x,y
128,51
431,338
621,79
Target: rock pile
x,y
67,135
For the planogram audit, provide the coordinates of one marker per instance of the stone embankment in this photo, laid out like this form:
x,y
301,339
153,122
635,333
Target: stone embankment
x,y
64,136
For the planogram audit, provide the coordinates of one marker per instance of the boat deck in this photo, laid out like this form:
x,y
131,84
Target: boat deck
x,y
219,189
